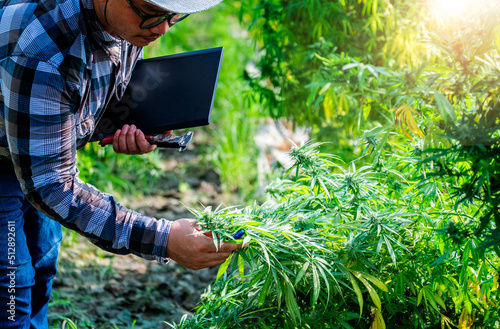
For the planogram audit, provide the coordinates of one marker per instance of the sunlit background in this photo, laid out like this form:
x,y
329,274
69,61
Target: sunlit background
x,y
454,11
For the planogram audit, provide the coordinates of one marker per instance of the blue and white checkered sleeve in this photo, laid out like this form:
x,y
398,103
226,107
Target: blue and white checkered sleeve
x,y
40,127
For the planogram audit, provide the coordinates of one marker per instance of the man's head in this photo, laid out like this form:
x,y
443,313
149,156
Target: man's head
x,y
140,22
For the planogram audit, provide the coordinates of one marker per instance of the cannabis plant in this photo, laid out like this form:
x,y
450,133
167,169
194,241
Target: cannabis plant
x,y
344,247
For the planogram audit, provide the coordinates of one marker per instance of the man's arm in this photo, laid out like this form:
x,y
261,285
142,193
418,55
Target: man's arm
x,y
40,127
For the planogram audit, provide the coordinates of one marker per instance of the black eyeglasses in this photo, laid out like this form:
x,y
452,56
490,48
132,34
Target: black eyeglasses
x,y
149,21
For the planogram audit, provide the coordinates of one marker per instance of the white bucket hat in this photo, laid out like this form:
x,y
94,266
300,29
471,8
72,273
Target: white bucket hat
x,y
185,6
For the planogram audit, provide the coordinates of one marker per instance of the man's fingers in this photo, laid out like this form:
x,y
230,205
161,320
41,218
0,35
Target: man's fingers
x,y
217,257
142,142
229,247
115,141
223,247
209,259
130,140
122,139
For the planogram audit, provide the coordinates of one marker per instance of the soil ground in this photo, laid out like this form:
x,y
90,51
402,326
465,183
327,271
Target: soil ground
x,y
96,289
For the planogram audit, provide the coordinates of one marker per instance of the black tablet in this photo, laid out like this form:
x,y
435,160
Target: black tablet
x,y
166,93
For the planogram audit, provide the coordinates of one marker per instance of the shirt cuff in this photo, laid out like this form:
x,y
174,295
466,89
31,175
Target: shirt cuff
x,y
163,260
161,240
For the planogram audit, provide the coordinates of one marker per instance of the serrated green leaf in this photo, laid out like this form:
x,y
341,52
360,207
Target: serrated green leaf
x,y
358,293
277,286
429,295
223,267
316,286
373,294
375,281
290,301
445,108
468,305
350,66
241,267
419,297
440,301
391,251
263,231
301,273
265,290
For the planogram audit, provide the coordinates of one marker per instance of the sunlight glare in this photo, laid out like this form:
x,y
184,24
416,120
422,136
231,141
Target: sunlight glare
x,y
453,9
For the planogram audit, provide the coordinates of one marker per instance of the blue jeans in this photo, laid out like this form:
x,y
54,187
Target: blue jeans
x,y
29,246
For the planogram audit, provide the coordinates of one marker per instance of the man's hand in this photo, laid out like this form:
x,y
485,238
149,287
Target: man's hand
x,y
130,140
190,248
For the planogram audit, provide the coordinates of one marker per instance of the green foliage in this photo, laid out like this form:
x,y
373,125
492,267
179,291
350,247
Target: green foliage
x,y
344,66
459,95
234,152
119,173
474,170
290,33
234,117
66,323
409,241
347,247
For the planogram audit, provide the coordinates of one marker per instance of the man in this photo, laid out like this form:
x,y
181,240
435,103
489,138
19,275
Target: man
x,y
60,63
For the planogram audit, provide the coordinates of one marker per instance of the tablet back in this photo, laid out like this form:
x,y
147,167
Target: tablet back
x,y
165,93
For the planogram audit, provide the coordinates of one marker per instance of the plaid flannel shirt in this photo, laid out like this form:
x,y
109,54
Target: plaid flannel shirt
x,y
58,68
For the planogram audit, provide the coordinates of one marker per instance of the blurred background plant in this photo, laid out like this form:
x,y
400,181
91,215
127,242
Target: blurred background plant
x,y
427,70
118,173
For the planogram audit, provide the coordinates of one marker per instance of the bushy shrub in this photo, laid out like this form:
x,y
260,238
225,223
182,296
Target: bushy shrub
x,y
347,247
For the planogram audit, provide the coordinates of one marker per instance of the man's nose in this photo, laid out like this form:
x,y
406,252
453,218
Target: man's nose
x,y
160,28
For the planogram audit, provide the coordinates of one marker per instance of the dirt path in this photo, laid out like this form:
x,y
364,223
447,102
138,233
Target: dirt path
x,y
96,289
